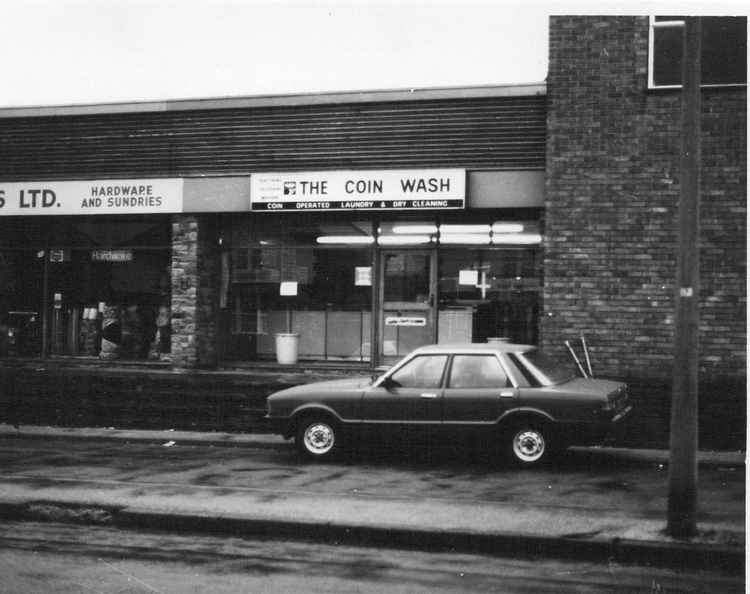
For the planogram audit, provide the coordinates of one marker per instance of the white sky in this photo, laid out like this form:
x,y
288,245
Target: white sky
x,y
91,51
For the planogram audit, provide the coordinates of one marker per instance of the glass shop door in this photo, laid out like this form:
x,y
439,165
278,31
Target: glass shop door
x,y
21,302
408,302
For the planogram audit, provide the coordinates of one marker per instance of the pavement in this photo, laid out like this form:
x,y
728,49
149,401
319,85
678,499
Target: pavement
x,y
538,525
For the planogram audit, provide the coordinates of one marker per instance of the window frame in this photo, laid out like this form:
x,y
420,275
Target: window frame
x,y
654,24
441,380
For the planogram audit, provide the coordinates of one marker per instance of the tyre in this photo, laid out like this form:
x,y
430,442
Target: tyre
x,y
317,437
528,444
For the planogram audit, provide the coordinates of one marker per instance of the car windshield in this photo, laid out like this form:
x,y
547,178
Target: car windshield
x,y
555,372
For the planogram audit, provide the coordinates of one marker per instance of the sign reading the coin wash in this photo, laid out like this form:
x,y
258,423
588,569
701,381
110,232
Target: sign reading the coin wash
x,y
96,197
408,189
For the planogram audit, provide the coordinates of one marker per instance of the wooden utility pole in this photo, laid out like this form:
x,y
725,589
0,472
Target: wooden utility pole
x,y
683,466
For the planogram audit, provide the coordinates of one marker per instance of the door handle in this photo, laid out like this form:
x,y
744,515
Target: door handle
x,y
507,394
428,395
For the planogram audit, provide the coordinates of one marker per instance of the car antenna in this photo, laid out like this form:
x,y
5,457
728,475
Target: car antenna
x,y
575,358
586,353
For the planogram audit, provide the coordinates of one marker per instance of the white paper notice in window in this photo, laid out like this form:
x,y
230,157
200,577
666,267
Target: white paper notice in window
x,y
288,289
363,276
468,277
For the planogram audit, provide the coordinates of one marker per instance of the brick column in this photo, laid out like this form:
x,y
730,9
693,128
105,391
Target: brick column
x,y
195,269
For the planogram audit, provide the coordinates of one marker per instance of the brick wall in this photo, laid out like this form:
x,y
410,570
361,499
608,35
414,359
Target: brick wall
x,y
611,206
195,270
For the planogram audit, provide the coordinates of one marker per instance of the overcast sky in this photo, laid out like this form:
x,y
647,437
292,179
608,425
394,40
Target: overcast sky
x,y
90,51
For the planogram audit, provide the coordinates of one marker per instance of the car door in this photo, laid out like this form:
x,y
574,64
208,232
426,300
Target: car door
x,y
412,395
478,390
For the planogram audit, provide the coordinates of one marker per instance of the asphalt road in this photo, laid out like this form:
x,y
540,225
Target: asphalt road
x,y
61,558
579,481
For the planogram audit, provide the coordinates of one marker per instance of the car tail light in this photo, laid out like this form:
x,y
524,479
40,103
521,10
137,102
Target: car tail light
x,y
617,400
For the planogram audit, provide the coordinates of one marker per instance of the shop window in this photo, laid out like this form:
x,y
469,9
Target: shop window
x,y
315,276
494,291
108,289
723,51
111,303
312,279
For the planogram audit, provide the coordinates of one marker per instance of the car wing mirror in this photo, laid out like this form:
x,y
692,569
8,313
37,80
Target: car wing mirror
x,y
378,373
388,383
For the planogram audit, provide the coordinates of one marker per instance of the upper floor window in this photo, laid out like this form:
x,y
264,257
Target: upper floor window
x,y
723,51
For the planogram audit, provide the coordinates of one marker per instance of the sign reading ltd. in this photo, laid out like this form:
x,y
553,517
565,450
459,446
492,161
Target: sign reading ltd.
x,y
406,189
95,197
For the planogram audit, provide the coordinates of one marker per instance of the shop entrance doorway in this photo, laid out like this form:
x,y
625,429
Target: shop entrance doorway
x,y
21,302
408,301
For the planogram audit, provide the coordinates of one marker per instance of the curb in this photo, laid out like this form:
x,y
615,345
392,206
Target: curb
x,y
664,554
232,440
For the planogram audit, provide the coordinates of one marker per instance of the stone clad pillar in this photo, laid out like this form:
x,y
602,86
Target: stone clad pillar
x,y
195,270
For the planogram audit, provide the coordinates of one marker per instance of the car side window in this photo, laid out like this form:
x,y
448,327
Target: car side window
x,y
477,371
425,371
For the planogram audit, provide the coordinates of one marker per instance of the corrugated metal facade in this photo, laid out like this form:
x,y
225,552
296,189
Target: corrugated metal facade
x,y
485,133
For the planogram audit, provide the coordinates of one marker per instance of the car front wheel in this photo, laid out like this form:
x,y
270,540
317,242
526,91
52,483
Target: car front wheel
x,y
317,438
529,445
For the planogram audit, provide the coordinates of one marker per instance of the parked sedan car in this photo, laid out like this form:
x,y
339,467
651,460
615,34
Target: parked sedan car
x,y
530,405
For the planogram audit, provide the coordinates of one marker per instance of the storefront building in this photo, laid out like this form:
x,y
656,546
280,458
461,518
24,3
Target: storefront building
x,y
208,233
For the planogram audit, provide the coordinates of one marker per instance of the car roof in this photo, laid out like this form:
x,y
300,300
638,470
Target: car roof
x,y
494,347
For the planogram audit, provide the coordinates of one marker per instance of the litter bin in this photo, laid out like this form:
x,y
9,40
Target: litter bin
x,y
287,346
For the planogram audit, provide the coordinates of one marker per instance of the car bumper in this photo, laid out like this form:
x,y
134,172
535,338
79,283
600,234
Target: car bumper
x,y
278,425
597,432
622,414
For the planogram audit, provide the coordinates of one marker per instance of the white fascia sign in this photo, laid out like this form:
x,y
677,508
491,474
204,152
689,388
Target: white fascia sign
x,y
405,189
94,197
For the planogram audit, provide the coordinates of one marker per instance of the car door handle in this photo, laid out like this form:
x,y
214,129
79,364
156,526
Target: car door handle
x,y
507,394
428,395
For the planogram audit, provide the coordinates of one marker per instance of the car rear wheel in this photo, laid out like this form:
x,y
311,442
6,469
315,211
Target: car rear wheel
x,y
529,444
317,438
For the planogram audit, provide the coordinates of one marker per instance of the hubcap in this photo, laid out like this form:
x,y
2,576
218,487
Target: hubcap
x,y
319,438
528,445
